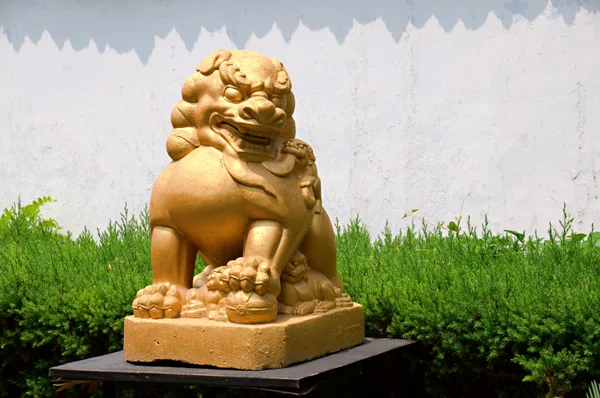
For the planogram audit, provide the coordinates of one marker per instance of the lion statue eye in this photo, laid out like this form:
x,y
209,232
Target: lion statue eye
x,y
278,101
233,94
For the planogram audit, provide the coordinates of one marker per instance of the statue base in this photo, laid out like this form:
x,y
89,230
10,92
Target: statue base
x,y
285,341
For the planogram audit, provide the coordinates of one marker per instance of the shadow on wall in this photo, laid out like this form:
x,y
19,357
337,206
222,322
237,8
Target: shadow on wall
x,y
133,24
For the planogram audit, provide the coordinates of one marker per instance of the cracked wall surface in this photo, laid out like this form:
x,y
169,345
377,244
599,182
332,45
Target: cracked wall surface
x,y
407,104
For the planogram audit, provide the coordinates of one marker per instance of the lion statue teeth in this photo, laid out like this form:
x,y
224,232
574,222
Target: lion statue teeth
x,y
242,193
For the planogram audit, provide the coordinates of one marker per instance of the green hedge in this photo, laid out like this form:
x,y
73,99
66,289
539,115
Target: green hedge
x,y
493,314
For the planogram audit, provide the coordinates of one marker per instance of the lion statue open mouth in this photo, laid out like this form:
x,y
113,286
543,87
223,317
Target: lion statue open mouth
x,y
244,194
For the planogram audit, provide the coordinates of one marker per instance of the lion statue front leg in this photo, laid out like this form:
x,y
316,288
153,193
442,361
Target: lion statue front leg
x,y
173,260
254,279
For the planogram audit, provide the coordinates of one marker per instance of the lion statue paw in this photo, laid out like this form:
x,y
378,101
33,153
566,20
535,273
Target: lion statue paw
x,y
342,299
157,301
249,289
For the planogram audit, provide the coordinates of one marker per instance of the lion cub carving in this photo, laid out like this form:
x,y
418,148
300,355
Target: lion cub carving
x,y
244,194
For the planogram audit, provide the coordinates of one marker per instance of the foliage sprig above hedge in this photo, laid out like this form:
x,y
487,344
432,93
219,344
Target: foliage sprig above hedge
x,y
493,314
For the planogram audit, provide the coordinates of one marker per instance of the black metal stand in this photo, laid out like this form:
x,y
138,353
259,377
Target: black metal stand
x,y
358,371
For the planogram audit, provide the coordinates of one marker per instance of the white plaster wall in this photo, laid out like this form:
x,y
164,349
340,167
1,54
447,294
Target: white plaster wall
x,y
417,102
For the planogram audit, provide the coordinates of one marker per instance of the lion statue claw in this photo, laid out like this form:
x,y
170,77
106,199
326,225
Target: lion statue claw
x,y
244,194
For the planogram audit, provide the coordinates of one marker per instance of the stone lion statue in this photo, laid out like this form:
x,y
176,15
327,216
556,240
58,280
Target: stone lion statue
x,y
244,194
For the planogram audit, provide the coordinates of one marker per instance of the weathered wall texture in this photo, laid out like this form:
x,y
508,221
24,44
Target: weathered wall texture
x,y
415,102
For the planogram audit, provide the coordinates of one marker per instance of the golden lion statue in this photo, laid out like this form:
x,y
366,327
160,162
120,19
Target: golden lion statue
x,y
244,194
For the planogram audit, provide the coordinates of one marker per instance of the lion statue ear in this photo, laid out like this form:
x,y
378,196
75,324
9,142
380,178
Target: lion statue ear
x,y
282,166
290,124
213,61
184,137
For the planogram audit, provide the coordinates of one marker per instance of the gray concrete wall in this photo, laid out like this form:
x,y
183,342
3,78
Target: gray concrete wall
x,y
417,103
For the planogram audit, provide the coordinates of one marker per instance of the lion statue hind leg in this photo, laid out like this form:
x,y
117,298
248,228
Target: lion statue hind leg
x,y
319,248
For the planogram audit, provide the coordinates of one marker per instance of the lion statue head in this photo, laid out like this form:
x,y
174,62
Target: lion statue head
x,y
238,102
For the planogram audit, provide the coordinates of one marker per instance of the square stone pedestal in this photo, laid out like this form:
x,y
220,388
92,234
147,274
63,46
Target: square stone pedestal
x,y
287,340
